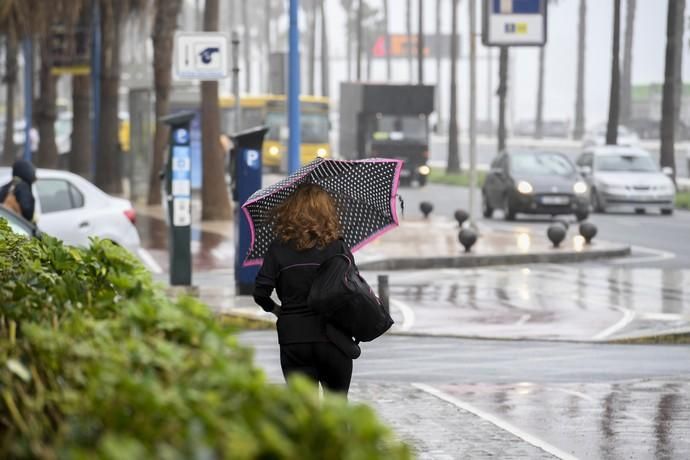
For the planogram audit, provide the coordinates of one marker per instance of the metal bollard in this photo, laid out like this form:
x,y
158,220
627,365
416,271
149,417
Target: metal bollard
x,y
384,292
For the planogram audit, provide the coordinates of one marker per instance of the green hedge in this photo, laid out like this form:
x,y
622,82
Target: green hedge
x,y
683,200
462,179
96,362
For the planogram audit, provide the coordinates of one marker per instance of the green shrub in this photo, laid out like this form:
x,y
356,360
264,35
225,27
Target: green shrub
x,y
683,200
462,179
96,362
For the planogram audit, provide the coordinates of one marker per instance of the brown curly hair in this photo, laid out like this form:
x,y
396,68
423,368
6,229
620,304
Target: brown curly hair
x,y
308,218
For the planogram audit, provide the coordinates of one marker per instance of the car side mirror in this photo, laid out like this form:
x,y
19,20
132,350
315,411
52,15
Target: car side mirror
x,y
667,170
585,170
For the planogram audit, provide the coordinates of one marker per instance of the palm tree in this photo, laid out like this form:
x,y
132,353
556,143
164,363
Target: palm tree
x,y
325,78
10,80
420,44
164,25
387,35
579,128
670,102
453,164
347,6
360,5
312,15
626,77
614,97
45,109
408,28
16,22
215,200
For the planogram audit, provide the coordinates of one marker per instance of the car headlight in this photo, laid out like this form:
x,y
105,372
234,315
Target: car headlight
x,y
424,170
580,187
524,187
321,153
273,151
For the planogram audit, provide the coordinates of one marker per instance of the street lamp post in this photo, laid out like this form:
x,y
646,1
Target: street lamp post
x,y
293,90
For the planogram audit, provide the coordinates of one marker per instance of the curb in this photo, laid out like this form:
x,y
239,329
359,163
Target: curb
x,y
471,260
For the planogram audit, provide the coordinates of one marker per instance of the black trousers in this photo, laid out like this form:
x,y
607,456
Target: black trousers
x,y
323,362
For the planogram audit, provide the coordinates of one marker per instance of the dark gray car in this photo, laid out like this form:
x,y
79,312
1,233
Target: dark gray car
x,y
534,182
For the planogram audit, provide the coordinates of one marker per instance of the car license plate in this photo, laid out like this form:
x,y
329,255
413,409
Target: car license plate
x,y
555,200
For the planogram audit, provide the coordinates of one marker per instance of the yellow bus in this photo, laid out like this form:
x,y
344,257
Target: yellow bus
x,y
271,110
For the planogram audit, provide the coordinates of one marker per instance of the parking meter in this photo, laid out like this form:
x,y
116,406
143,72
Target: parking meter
x,y
247,180
178,191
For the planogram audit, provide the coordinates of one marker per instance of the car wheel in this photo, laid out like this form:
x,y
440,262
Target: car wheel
x,y
508,211
667,212
580,216
487,210
596,202
640,211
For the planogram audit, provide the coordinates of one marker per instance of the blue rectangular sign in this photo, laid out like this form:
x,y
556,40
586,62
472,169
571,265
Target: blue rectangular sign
x,y
517,6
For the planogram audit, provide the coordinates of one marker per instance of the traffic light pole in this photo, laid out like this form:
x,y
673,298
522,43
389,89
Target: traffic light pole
x,y
293,91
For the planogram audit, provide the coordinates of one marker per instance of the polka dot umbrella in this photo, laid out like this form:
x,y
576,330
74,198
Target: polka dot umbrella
x,y
364,190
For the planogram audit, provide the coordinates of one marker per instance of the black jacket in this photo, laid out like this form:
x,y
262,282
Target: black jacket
x,y
291,273
26,172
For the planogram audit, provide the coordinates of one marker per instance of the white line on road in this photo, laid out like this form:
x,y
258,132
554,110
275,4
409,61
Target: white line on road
x,y
407,312
628,317
149,261
523,319
656,256
500,423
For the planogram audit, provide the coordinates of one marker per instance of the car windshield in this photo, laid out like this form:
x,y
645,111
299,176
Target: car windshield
x,y
541,164
628,163
389,127
15,226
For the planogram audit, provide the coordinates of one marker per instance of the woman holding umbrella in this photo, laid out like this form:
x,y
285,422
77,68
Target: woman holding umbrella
x,y
308,232
325,208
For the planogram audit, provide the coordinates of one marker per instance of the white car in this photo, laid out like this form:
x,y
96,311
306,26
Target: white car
x,y
72,209
626,177
597,136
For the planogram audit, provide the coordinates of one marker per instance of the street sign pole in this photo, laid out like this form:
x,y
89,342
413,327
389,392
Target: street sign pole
x,y
293,91
236,80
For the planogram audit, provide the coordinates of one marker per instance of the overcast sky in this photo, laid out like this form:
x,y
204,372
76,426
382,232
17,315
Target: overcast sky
x,y
648,56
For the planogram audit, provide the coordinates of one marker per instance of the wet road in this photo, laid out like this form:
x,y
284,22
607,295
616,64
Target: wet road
x,y
546,301
574,400
657,241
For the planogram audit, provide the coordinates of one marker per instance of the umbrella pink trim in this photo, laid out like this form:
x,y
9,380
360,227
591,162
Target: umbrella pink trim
x,y
387,228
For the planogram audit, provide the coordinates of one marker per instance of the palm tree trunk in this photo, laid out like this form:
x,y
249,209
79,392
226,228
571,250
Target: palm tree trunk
x,y
579,128
267,44
359,40
312,46
387,33
437,94
325,55
670,102
80,155
8,148
215,200
109,155
420,44
247,47
164,26
539,118
408,28
502,96
46,111
626,78
453,164
614,97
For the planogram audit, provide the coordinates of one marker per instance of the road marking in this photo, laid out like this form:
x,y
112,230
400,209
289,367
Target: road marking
x,y
594,400
407,312
500,423
628,317
149,261
662,316
657,255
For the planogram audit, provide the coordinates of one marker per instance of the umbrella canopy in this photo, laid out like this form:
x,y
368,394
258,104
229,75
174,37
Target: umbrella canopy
x,y
364,191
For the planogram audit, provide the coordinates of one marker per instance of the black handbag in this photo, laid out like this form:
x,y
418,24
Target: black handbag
x,y
343,298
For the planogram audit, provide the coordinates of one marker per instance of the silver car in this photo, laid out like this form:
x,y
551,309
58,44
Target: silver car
x,y
622,178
